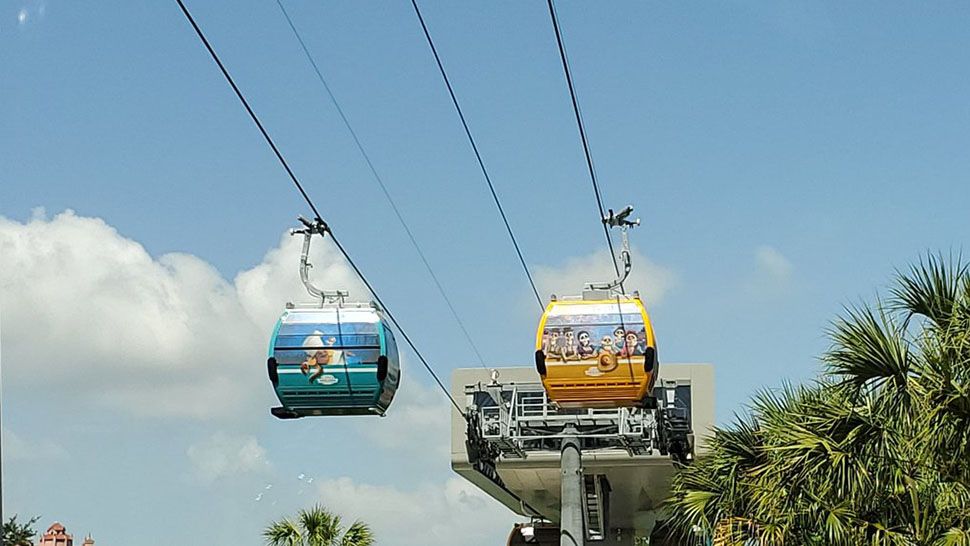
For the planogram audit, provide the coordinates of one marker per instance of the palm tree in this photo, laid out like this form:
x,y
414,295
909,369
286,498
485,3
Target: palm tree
x,y
317,527
876,451
18,534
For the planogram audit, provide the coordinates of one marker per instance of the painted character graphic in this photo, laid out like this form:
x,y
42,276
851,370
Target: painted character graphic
x,y
585,348
607,356
318,357
642,341
555,346
618,336
569,348
630,347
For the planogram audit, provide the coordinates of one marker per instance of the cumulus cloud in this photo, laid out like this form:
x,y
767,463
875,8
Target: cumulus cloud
x,y
652,280
264,288
223,455
771,277
415,408
89,310
18,448
773,263
432,514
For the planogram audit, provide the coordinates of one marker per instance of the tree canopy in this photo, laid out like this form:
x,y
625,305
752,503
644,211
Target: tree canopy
x,y
317,527
19,534
876,451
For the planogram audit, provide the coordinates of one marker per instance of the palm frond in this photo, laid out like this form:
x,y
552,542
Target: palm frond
x,y
868,349
358,534
931,288
321,527
284,532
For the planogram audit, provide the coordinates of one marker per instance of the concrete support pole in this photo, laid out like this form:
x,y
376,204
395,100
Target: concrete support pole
x,y
572,532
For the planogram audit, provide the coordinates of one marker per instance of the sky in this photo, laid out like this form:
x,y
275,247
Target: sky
x,y
786,158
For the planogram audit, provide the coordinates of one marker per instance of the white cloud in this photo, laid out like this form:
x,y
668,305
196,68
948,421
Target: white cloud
x,y
22,16
773,263
770,278
453,512
263,289
415,407
652,280
223,455
89,311
17,448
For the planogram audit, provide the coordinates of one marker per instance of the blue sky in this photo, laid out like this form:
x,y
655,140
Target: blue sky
x,y
785,157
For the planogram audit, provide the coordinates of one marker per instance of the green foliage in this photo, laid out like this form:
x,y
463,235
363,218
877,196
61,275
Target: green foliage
x,y
876,452
18,534
317,527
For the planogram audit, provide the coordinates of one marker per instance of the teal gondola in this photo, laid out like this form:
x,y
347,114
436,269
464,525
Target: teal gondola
x,y
331,357
336,360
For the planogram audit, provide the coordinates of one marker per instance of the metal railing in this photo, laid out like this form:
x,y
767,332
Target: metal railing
x,y
520,418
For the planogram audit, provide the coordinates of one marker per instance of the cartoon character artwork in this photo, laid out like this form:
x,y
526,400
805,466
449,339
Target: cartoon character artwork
x,y
555,350
619,337
642,341
585,348
606,358
318,355
600,337
631,346
570,350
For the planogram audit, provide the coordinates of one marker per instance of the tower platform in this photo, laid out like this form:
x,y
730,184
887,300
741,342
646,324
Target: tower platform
x,y
511,448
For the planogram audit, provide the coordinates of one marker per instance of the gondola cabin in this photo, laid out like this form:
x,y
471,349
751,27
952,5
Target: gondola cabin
x,y
339,359
597,351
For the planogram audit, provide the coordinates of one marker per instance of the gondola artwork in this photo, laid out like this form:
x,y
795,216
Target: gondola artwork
x,y
331,357
597,334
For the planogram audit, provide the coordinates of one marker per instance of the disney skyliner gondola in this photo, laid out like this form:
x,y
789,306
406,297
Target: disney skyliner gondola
x,y
598,350
331,356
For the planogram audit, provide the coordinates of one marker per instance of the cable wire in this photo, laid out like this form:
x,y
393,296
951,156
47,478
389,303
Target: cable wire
x,y
299,186
481,163
249,109
397,325
380,182
589,165
582,134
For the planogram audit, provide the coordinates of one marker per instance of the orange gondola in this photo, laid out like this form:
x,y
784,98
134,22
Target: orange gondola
x,y
598,350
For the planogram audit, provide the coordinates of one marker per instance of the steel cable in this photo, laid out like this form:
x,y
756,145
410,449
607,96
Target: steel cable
x,y
478,155
380,182
306,197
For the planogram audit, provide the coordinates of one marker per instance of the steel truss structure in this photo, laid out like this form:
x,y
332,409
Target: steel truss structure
x,y
512,420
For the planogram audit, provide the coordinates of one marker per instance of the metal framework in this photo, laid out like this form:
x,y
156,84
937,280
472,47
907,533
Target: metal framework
x,y
584,476
516,419
622,221
510,421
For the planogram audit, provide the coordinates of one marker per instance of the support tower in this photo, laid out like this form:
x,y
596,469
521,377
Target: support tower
x,y
582,476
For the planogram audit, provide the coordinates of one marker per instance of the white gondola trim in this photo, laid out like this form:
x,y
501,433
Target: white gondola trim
x,y
331,371
626,307
327,316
